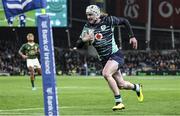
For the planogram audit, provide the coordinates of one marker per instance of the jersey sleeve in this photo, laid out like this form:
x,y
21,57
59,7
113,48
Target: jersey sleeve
x,y
22,49
116,21
37,45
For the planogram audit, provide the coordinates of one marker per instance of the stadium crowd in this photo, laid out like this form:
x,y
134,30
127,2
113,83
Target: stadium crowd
x,y
135,61
79,62
10,62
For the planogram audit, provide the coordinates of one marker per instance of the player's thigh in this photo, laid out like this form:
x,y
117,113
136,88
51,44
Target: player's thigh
x,y
36,63
110,68
29,63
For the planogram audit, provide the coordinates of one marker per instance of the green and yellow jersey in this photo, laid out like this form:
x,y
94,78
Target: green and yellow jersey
x,y
30,50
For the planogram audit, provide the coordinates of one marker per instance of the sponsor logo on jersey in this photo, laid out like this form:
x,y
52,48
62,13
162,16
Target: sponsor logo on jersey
x,y
103,27
98,36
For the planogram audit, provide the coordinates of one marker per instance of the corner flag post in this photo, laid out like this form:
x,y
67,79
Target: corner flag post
x,y
48,65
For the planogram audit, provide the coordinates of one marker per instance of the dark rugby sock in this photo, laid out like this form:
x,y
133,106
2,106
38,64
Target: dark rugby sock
x,y
32,83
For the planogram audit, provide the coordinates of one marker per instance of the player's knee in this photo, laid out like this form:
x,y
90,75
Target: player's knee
x,y
39,71
106,75
31,69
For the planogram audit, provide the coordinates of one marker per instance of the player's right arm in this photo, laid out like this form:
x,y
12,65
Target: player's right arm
x,y
86,36
21,52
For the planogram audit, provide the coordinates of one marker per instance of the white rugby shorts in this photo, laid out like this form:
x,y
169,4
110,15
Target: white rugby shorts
x,y
33,63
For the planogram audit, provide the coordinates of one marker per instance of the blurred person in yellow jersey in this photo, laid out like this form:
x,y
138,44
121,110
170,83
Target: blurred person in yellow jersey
x,y
29,51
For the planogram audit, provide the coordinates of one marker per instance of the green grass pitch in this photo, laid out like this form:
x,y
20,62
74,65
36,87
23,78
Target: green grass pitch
x,y
78,95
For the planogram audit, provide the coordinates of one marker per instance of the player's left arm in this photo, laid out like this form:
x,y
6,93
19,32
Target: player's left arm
x,y
115,21
38,49
134,42
132,39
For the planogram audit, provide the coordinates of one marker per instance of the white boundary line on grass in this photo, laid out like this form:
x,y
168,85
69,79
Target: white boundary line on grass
x,y
27,109
92,88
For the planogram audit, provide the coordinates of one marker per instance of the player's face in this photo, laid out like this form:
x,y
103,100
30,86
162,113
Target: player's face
x,y
91,18
30,37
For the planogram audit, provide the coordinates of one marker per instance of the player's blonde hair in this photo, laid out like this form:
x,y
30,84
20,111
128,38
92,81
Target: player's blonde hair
x,y
103,14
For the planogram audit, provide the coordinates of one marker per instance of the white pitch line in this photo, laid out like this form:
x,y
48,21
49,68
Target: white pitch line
x,y
25,109
21,114
30,19
152,78
74,87
162,89
92,88
28,109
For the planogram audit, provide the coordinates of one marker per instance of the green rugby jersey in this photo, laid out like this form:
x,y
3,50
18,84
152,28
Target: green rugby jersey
x,y
104,41
30,50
